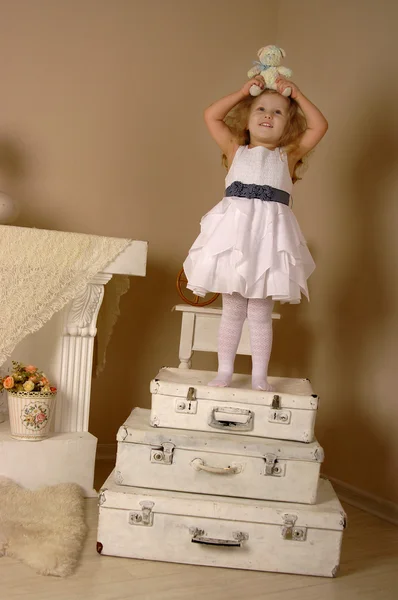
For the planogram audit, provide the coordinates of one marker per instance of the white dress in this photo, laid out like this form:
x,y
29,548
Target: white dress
x,y
248,245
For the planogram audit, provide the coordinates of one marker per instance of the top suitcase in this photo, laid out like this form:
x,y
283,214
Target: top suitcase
x,y
182,399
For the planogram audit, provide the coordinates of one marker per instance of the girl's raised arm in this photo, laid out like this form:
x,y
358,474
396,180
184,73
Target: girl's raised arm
x,y
317,125
214,116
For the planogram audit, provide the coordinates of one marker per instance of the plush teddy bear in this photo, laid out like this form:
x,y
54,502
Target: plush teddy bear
x,y
269,69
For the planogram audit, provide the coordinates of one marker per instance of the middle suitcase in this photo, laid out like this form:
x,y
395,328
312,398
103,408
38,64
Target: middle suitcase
x,y
210,463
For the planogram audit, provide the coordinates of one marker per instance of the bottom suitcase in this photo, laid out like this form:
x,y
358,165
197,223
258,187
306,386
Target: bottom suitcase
x,y
222,532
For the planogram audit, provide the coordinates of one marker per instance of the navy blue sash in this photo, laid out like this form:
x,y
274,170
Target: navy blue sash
x,y
262,192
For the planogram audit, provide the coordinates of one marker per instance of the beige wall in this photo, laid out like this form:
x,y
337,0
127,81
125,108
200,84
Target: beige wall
x,y
101,132
101,124
345,58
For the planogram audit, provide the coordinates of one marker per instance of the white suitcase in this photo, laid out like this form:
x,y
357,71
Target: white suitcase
x,y
209,463
223,532
182,399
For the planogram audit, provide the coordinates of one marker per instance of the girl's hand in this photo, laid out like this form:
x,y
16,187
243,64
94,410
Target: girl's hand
x,y
282,83
257,80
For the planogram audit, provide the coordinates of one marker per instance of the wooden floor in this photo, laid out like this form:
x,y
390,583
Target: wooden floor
x,y
369,571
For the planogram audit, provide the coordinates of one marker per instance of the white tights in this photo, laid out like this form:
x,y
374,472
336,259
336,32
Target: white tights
x,y
259,316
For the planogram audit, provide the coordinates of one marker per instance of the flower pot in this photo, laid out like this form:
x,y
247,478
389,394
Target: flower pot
x,y
31,414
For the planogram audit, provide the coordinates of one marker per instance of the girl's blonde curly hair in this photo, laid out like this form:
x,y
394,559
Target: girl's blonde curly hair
x,y
237,119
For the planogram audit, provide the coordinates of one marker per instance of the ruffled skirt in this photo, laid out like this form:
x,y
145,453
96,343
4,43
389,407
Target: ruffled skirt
x,y
252,247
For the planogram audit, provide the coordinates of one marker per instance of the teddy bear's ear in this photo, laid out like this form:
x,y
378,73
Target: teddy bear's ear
x,y
282,52
259,53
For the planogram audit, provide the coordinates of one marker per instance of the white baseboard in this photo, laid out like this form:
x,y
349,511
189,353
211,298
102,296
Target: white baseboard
x,y
106,451
368,502
347,493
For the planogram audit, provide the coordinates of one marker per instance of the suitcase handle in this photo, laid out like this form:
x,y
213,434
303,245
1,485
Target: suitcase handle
x,y
199,538
228,422
199,465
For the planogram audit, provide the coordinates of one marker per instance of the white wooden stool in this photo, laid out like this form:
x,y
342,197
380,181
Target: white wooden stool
x,y
199,329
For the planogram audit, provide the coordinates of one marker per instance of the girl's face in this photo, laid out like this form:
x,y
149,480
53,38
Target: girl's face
x,y
268,118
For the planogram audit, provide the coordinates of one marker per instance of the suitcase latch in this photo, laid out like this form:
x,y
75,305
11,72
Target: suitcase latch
x,y
292,533
272,467
188,404
163,455
191,395
144,516
280,416
276,402
276,414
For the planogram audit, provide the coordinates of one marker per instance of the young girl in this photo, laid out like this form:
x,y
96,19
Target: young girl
x,y
250,247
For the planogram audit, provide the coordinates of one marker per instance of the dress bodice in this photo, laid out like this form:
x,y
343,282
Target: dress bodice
x,y
260,166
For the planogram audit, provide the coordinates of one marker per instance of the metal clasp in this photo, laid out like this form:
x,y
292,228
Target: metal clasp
x,y
273,466
292,533
163,455
276,414
188,405
270,460
276,402
143,517
191,395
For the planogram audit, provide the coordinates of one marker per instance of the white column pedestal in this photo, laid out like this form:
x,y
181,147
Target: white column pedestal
x,y
61,458
80,329
63,349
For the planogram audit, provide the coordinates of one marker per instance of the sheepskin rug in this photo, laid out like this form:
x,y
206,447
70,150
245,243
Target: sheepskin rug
x,y
44,528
